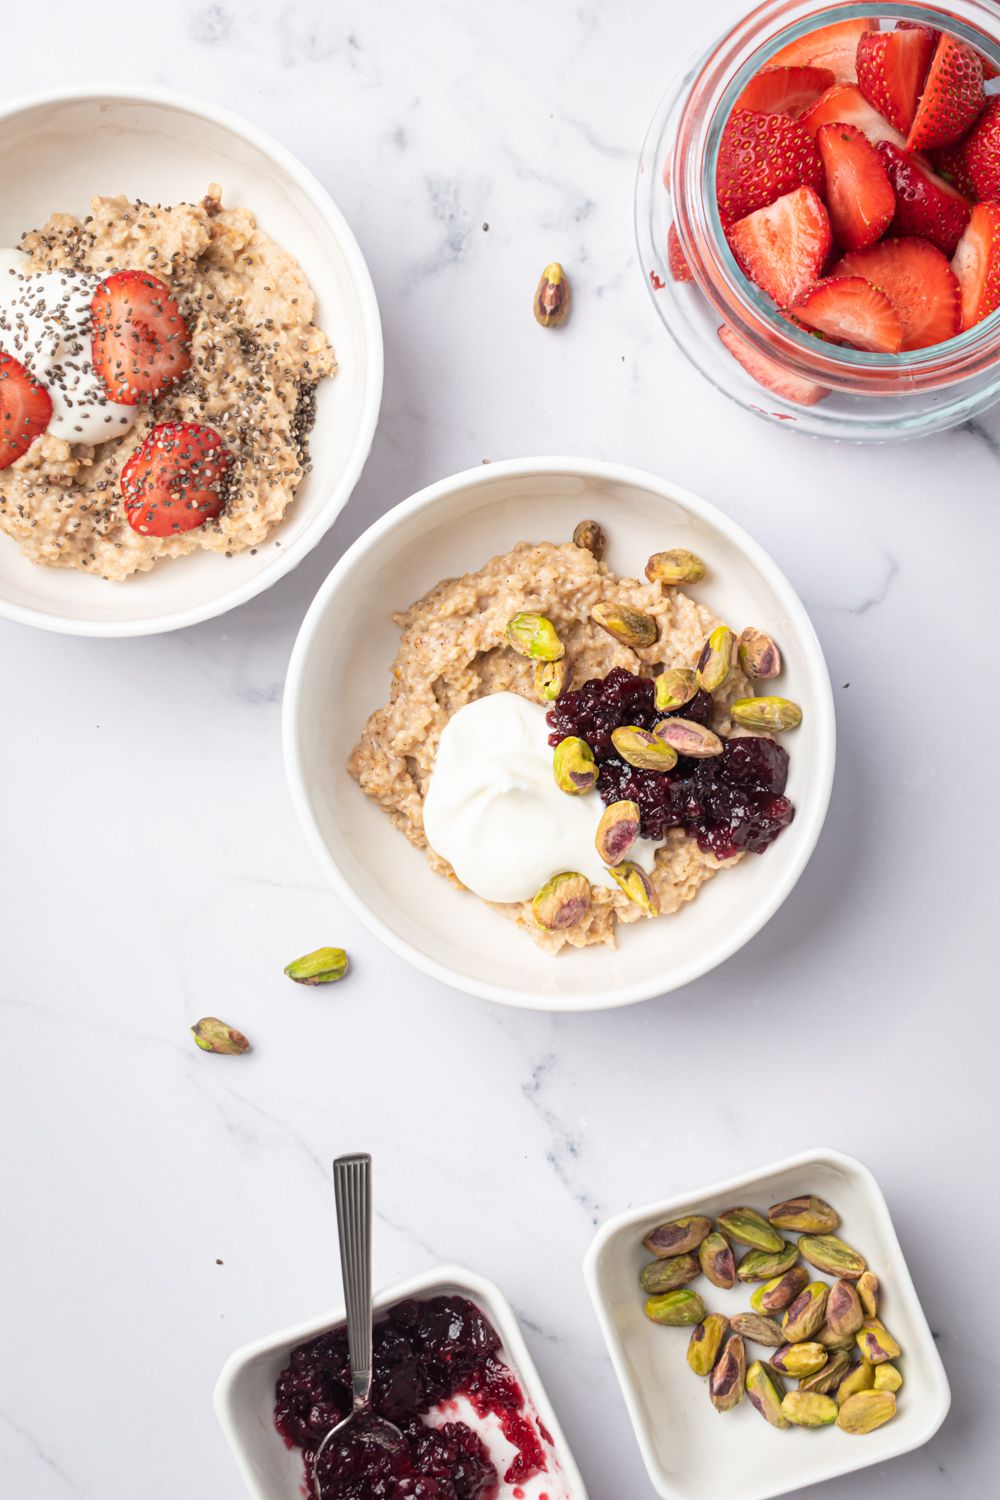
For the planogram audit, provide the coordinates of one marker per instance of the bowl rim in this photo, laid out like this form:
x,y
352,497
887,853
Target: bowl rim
x,y
336,223
610,473
735,1187
484,1292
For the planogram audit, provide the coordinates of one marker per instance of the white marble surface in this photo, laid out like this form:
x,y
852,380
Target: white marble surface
x,y
152,871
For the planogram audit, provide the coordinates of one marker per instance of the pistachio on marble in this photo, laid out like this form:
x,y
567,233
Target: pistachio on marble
x,y
772,714
669,1273
716,1257
674,687
535,636
574,767
828,1253
637,886
562,901
776,1294
617,831
758,1329
590,536
804,1215
749,1227
715,664
759,658
550,679
866,1410
675,566
629,626
678,1236
677,1309
552,297
844,1313
805,1315
706,1341
323,966
765,1393
643,749
726,1382
808,1409
689,738
213,1035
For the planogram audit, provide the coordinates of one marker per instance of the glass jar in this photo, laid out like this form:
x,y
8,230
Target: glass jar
x,y
831,391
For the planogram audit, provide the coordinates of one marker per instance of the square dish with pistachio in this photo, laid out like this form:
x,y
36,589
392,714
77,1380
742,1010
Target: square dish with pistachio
x,y
527,694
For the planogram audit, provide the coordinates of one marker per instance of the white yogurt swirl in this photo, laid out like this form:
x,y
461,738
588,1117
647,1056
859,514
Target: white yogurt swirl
x,y
494,812
45,323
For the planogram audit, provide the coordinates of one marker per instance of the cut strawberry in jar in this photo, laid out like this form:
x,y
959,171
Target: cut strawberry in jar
x,y
852,311
761,158
176,480
976,160
140,344
845,104
25,409
784,247
892,67
859,195
953,97
926,204
785,91
676,259
769,373
918,281
977,264
834,47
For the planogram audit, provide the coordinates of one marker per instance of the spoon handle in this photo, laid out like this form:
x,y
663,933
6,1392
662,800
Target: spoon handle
x,y
352,1181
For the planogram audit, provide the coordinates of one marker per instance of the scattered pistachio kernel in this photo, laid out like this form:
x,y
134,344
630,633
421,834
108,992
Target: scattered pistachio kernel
x,y
323,966
213,1035
552,296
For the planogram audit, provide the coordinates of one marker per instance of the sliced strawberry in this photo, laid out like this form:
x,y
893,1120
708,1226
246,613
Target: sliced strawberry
x,y
979,155
25,410
851,310
676,259
784,247
950,164
176,480
140,340
769,373
834,47
892,66
762,157
859,196
919,283
925,203
953,96
977,264
785,91
845,104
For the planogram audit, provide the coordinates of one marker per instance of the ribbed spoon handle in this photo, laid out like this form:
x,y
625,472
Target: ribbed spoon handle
x,y
352,1181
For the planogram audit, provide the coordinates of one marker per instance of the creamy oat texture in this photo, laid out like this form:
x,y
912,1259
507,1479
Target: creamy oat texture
x,y
452,650
256,357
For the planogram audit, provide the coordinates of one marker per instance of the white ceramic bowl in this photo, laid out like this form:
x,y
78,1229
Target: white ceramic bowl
x,y
339,673
244,1395
690,1451
56,152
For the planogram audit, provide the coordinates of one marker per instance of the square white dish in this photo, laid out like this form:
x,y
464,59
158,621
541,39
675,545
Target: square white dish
x,y
691,1451
244,1394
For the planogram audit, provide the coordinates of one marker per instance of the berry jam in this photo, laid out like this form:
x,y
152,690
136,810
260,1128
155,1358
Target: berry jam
x,y
425,1354
730,803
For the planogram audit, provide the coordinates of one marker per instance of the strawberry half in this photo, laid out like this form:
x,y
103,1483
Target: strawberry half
x,y
676,259
768,373
834,47
979,155
25,410
919,283
140,340
785,91
852,311
892,66
845,104
176,480
784,247
953,97
859,195
762,157
977,264
925,203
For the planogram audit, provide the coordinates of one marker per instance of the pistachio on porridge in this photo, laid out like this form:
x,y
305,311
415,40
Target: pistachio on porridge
x,y
766,713
674,687
633,880
757,654
630,626
678,565
590,535
562,902
617,831
574,767
715,664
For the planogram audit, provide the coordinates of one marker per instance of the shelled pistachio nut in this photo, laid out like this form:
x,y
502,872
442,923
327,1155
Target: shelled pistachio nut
x,y
562,901
590,536
760,658
552,297
632,627
677,1309
678,1236
866,1411
829,1377
804,1215
827,1253
749,1228
324,966
574,766
213,1035
876,1343
726,1382
715,664
637,886
774,714
551,678
716,1257
844,1313
643,749
868,1292
800,1360
758,1329
778,1293
887,1378
706,1341
689,738
807,1409
675,566
534,636
805,1315
764,1394
661,1276
673,688
617,831
860,1377
762,1265
831,1340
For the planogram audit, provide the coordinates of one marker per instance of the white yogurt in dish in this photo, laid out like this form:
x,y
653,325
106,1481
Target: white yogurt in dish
x,y
45,323
493,809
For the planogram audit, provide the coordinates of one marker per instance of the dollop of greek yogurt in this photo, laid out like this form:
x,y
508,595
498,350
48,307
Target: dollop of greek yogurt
x,y
493,809
45,323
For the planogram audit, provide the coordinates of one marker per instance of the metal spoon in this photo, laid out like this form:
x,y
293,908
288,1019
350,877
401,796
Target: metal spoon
x,y
352,1181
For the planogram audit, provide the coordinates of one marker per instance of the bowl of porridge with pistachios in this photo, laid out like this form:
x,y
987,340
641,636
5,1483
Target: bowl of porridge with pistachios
x,y
587,752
